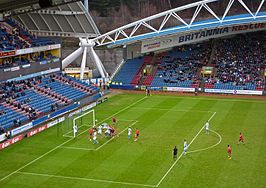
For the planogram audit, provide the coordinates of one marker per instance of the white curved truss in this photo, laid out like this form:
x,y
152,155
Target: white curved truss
x,y
120,33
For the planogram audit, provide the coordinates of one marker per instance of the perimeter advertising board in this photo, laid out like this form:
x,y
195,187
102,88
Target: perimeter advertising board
x,y
236,92
197,36
11,141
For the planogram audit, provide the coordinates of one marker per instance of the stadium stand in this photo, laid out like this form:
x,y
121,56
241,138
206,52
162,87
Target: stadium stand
x,y
180,66
31,99
240,63
129,70
14,37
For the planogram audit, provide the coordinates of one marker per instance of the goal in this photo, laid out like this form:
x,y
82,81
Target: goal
x,y
85,120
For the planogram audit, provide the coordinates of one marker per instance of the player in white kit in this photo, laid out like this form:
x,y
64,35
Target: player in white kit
x,y
129,133
207,127
185,147
100,129
95,138
75,130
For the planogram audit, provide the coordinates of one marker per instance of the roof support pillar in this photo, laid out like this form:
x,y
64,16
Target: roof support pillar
x,y
72,57
86,5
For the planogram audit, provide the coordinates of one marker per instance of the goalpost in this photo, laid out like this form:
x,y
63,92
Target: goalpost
x,y
84,119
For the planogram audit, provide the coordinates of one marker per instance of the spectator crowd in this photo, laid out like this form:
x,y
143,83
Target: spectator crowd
x,y
241,60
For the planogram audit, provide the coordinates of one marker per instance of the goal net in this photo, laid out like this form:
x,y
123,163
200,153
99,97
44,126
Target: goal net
x,y
83,121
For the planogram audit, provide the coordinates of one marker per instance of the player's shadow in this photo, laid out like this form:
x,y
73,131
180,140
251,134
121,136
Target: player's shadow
x,y
189,157
244,145
235,160
180,164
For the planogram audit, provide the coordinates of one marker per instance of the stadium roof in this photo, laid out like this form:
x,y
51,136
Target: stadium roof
x,y
67,20
206,24
195,16
7,5
12,7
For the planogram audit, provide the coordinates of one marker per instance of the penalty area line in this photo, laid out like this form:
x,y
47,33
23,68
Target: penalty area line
x,y
67,136
86,179
182,154
78,148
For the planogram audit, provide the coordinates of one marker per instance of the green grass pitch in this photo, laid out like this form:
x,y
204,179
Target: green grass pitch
x,y
50,159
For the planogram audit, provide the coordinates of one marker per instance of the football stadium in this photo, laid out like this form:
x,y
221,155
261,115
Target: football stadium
x,y
132,93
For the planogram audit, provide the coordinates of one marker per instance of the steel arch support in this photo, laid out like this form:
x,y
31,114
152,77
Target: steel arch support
x,y
83,63
262,2
86,47
97,61
72,57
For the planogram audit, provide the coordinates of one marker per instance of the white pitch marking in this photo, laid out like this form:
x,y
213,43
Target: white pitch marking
x,y
68,136
43,155
78,148
169,109
71,131
219,99
86,179
90,149
126,119
203,149
182,153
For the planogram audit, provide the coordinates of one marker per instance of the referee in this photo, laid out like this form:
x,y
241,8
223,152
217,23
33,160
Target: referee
x,y
175,152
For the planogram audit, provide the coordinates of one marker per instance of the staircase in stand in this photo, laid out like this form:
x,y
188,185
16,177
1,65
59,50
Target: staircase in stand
x,y
136,79
156,61
149,78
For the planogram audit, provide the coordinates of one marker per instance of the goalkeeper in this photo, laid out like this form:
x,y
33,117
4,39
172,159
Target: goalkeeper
x,y
75,130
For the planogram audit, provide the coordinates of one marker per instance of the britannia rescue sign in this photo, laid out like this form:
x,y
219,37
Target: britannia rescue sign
x,y
197,36
203,34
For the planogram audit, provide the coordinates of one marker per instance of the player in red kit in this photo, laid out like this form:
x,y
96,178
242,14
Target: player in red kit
x,y
112,131
136,135
241,139
91,133
229,151
114,120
